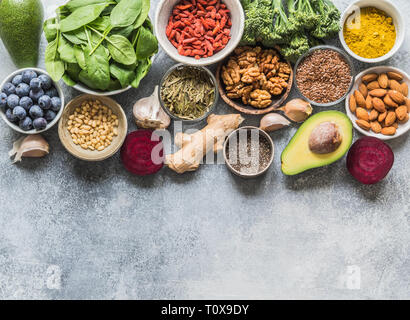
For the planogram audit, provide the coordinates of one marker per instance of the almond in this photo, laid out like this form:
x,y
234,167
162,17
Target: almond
x,y
361,102
380,93
397,96
373,85
395,76
389,102
389,131
362,114
394,85
408,104
369,103
395,125
378,104
363,90
374,114
401,112
369,77
352,103
383,80
376,127
382,116
405,119
390,118
404,89
363,124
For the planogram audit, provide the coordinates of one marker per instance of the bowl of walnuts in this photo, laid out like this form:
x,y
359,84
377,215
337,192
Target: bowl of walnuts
x,y
254,80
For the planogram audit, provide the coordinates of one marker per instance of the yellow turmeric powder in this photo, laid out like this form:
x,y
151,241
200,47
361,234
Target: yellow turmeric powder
x,y
371,34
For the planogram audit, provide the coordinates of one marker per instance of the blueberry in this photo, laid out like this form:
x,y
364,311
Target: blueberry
x,y
52,92
50,115
36,112
3,100
55,104
40,123
20,112
9,88
23,90
28,76
44,102
13,101
10,116
35,84
26,103
46,81
17,80
26,124
35,95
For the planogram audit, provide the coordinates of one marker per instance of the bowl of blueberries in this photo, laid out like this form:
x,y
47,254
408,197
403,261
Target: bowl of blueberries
x,y
30,102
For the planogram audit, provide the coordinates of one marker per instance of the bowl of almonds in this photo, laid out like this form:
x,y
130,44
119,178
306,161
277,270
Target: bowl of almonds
x,y
92,128
379,103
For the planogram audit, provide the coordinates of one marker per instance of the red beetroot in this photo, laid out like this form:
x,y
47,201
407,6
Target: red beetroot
x,y
142,153
369,160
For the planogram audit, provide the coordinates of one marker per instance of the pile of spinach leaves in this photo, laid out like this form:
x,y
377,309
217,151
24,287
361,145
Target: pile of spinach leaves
x,y
104,44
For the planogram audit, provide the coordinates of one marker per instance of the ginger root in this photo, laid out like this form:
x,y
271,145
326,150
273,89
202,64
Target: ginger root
x,y
195,146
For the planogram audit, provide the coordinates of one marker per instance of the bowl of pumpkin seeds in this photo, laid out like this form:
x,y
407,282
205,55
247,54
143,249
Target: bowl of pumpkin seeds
x,y
188,93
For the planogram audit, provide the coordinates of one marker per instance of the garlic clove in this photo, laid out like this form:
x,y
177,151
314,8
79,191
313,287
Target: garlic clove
x,y
33,146
149,114
297,110
272,122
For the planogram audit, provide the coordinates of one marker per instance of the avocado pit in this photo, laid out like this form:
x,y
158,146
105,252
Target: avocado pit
x,y
325,138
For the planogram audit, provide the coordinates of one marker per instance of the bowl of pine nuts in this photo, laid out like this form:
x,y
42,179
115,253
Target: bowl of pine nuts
x,y
92,128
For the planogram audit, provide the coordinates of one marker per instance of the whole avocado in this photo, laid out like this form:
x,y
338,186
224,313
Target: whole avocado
x,y
20,30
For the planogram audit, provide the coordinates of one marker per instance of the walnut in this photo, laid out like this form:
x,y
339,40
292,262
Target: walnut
x,y
260,98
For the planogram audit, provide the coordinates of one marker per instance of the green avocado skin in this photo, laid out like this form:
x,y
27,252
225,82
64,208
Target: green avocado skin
x,y
20,30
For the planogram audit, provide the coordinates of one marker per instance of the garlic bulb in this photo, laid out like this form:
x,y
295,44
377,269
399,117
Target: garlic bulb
x,y
297,110
33,146
149,114
272,122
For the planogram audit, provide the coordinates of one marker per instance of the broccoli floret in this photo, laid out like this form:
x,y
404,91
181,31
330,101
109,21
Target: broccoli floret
x,y
302,15
282,26
328,25
297,47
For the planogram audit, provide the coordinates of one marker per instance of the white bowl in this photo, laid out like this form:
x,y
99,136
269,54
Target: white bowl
x,y
392,11
162,15
403,128
52,123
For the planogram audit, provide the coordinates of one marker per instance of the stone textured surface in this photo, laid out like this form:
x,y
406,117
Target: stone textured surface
x,y
71,229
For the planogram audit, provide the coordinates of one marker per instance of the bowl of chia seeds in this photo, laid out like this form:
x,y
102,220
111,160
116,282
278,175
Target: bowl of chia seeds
x,y
324,75
248,152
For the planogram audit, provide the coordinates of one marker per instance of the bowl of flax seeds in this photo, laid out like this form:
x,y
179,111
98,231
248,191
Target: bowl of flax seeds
x,y
324,75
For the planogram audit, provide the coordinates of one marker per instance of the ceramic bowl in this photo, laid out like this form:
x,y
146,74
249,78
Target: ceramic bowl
x,y
211,108
52,123
89,155
403,128
163,13
323,47
235,133
387,7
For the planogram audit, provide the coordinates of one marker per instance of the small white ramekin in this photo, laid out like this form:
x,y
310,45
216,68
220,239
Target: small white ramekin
x,y
391,10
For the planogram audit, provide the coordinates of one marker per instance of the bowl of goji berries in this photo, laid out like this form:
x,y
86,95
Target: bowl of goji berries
x,y
199,32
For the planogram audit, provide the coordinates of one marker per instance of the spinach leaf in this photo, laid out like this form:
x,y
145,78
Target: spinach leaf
x,y
114,85
80,57
73,38
98,68
121,49
143,15
54,65
125,31
66,50
75,4
81,17
126,13
85,78
122,73
68,81
101,23
73,70
147,44
50,29
141,71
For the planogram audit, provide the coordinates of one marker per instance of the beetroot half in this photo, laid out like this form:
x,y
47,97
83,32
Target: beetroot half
x,y
142,153
369,160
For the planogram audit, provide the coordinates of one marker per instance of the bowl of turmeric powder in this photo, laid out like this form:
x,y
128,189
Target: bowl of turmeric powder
x,y
372,31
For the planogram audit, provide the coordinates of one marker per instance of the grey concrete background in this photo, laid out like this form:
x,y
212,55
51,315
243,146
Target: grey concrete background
x,y
76,230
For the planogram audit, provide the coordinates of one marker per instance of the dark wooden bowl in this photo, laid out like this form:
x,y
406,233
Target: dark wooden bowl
x,y
237,103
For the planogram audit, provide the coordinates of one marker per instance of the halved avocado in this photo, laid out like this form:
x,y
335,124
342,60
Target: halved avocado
x,y
298,157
